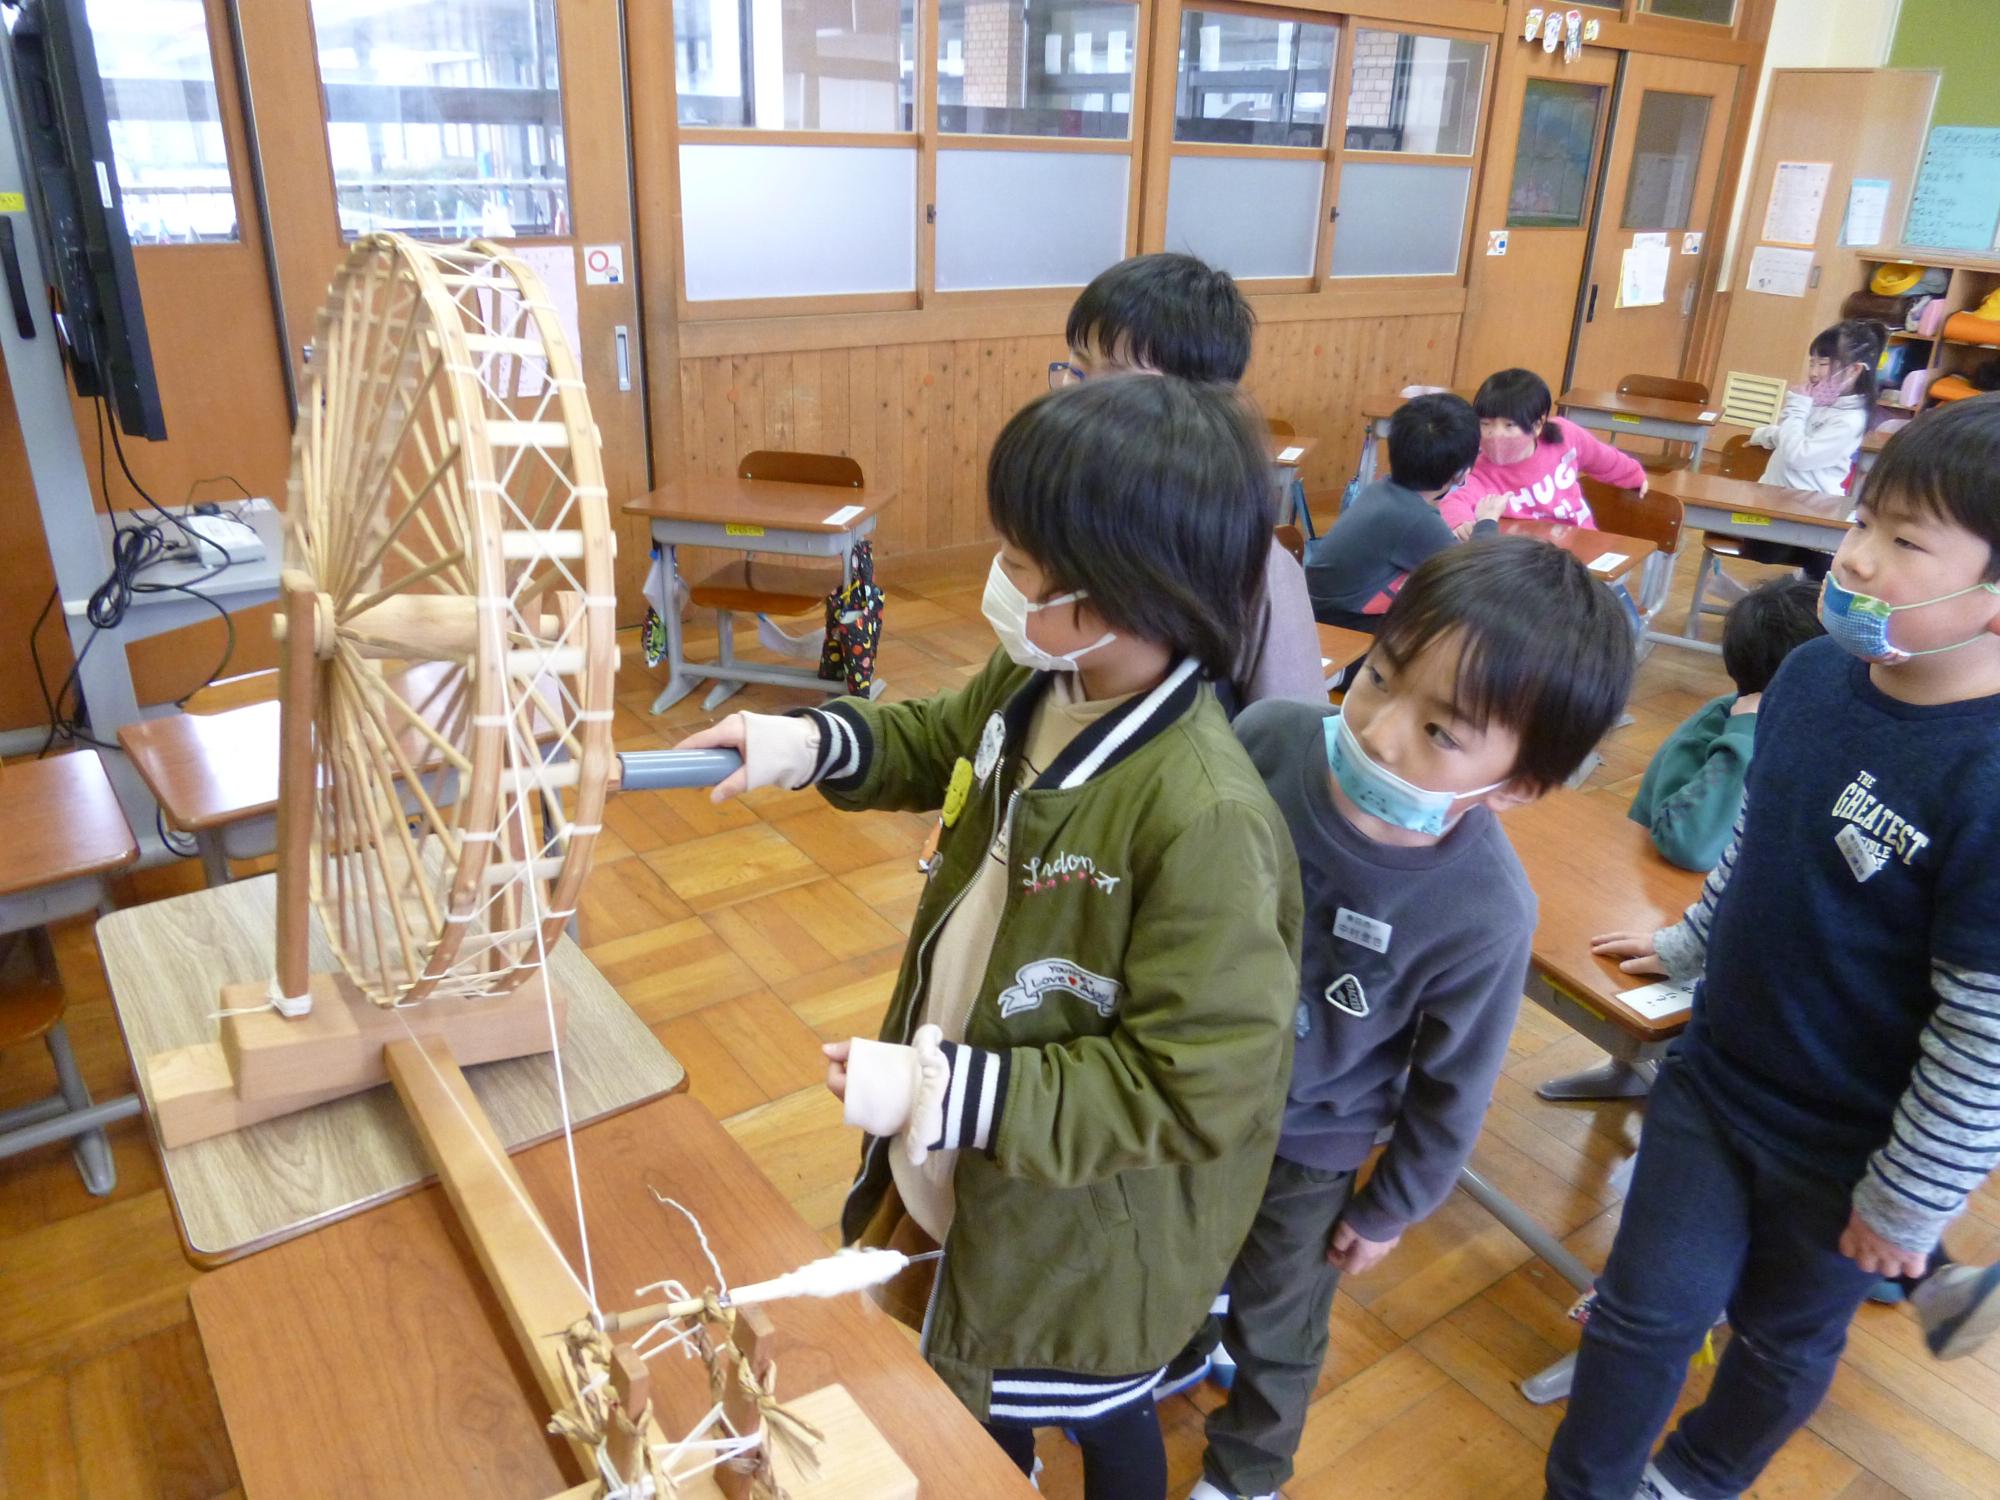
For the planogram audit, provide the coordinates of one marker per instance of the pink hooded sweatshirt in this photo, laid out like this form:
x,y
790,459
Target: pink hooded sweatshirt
x,y
1544,486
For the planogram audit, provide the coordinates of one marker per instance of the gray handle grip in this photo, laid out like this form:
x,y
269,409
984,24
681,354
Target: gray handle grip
x,y
656,770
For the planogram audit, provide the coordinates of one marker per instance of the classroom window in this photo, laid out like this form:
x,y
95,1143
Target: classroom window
x,y
847,65
1252,80
1666,157
444,117
1553,157
1416,94
1717,12
1400,219
166,129
985,241
1253,217
1036,67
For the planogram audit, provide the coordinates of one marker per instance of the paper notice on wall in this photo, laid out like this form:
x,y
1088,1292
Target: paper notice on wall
x,y
1642,275
1867,208
556,266
1779,272
1798,193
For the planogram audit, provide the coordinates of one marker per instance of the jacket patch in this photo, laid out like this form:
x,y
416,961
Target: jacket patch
x,y
1345,993
1046,976
1065,869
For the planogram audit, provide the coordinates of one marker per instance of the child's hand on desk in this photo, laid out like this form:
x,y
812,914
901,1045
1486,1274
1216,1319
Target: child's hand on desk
x,y
776,750
1489,508
1351,1254
1872,1253
1633,950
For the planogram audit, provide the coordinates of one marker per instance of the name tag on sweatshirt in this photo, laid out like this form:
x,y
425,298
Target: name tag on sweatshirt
x,y
1366,931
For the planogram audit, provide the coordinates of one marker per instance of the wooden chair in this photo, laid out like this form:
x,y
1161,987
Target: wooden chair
x,y
65,835
1671,456
755,585
1653,517
1737,459
1294,503
1292,540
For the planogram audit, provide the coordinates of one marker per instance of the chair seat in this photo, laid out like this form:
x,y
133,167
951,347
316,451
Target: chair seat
x,y
1721,546
1662,463
27,1011
753,586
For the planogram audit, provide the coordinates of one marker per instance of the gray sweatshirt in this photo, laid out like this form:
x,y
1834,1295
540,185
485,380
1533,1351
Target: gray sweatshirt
x,y
1413,965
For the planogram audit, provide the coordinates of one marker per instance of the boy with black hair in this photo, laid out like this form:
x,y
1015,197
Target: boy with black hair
x,y
1354,571
1836,1095
1693,788
1172,314
1418,923
1081,1073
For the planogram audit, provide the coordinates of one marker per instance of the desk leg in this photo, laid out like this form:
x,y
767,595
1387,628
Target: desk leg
x,y
1613,1079
1551,1384
725,685
679,683
214,863
1365,470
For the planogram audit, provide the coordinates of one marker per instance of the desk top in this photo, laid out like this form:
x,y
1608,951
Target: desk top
x,y
1691,412
776,505
167,962
1289,450
370,1359
1877,440
1594,870
1382,405
63,822
1339,646
1586,544
1748,497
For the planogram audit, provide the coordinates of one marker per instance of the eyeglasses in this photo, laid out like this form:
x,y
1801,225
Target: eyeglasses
x,y
1062,373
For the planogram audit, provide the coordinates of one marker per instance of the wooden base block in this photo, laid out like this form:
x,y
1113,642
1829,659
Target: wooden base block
x,y
265,1065
855,1462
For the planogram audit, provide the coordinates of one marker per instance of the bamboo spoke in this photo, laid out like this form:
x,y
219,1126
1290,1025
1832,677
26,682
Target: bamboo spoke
x,y
387,810
381,690
401,586
415,510
402,767
365,505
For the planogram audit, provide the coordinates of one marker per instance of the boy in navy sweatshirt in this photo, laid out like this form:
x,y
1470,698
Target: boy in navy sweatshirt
x,y
1836,1096
1418,922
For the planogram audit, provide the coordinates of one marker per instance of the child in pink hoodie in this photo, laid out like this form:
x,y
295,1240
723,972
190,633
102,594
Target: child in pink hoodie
x,y
1537,461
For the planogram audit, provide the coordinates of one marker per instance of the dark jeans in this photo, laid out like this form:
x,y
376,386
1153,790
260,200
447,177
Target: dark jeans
x,y
1715,1222
1280,1298
1124,1456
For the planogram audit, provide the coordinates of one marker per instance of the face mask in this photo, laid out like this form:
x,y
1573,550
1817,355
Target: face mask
x,y
1515,448
1860,622
1007,610
1377,790
1830,387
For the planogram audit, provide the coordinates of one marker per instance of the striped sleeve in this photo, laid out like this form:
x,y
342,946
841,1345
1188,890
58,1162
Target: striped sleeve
x,y
845,745
1683,948
973,1099
1945,1136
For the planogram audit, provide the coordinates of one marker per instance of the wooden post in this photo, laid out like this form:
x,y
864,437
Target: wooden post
x,y
298,680
758,1342
627,1437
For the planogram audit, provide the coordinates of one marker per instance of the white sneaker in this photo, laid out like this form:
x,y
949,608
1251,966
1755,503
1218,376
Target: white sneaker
x,y
1653,1485
1203,1490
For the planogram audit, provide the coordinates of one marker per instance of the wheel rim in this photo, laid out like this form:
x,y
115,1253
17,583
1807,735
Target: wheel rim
x,y
447,501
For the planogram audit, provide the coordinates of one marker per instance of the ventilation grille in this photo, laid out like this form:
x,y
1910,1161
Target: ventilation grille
x,y
1752,400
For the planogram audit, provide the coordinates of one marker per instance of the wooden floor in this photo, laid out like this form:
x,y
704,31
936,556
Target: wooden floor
x,y
745,936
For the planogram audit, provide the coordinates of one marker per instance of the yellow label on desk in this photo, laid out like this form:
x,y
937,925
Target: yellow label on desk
x,y
1742,518
13,203
734,530
1625,417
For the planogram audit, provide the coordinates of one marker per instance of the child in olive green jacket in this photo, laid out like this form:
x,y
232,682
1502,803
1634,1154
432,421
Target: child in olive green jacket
x,y
1082,1072
1693,789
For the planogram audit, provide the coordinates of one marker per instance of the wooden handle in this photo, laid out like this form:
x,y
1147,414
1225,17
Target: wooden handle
x,y
298,674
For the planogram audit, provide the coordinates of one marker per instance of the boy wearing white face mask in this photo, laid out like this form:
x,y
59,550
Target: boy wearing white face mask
x,y
1418,922
1081,1073
1836,1096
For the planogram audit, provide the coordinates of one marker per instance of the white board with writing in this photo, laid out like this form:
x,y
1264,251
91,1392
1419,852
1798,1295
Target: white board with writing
x,y
1956,205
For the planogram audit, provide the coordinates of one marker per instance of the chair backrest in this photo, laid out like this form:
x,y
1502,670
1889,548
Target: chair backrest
x,y
800,468
1653,517
1280,427
1292,540
1661,388
1739,460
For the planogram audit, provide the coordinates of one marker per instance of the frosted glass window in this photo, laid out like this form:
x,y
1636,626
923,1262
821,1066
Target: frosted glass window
x,y
798,221
1666,156
1400,220
1414,93
166,132
1036,67
985,240
1719,12
1249,215
444,117
796,64
1252,80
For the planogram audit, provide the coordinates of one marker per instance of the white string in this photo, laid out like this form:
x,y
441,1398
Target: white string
x,y
242,1010
721,1281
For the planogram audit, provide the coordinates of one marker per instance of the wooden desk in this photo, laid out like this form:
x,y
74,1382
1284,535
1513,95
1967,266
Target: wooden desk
x,y
1871,449
64,823
1289,450
748,515
1340,648
1587,545
167,962
1613,414
370,1358
1760,512
1375,414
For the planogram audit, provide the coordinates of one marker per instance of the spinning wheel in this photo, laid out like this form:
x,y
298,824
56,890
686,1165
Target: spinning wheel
x,y
447,508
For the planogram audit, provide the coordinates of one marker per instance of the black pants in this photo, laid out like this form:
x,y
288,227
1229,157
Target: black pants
x,y
1124,1457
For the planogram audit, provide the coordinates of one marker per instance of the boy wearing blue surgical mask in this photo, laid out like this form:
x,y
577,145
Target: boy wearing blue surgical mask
x,y
1080,1076
1418,922
1836,1096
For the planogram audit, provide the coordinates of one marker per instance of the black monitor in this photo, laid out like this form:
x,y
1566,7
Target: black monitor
x,y
71,172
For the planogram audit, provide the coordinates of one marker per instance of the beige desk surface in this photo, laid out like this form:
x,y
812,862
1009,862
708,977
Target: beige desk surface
x,y
1694,413
777,505
167,962
1750,498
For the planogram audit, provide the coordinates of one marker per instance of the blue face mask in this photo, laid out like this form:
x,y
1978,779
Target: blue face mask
x,y
1860,622
1377,790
